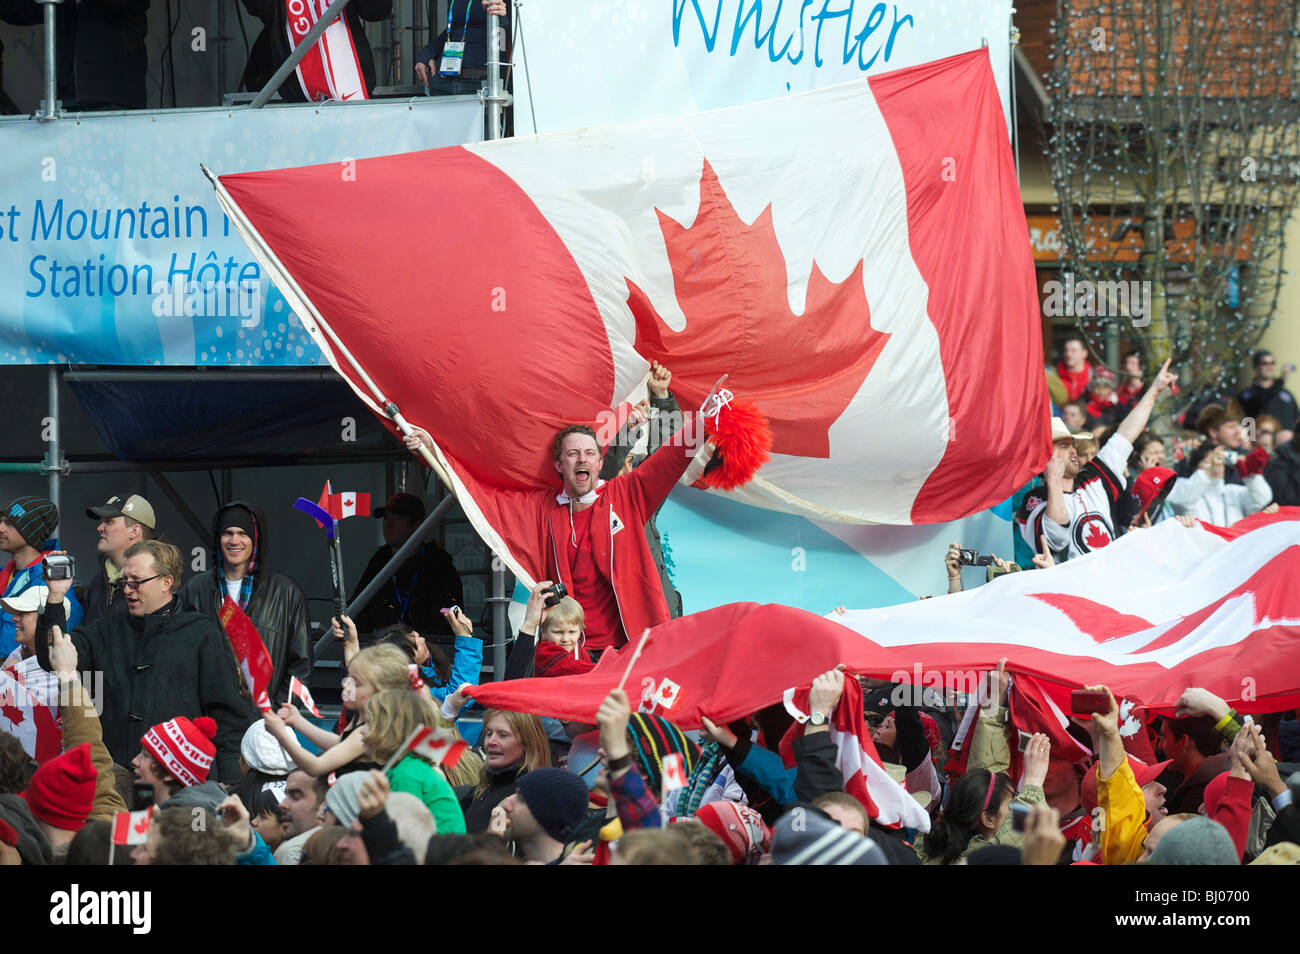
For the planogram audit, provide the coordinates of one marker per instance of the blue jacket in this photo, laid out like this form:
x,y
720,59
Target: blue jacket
x,y
20,581
259,854
466,666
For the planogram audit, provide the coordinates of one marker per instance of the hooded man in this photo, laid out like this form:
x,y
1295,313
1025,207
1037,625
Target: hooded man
x,y
271,600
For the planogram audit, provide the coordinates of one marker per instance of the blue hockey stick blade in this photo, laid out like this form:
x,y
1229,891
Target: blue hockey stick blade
x,y
313,510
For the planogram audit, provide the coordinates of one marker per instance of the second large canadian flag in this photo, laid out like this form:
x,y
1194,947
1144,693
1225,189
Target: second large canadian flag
x,y
855,259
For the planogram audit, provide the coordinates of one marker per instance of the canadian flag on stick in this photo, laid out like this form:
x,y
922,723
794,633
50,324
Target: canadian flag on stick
x,y
349,504
443,751
298,688
132,828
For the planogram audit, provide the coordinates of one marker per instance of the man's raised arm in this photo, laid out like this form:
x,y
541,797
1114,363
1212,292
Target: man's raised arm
x,y
1131,427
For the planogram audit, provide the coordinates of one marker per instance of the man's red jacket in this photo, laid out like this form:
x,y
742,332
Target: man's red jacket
x,y
535,527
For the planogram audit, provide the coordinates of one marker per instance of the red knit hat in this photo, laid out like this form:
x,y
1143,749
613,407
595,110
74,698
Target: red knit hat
x,y
183,747
62,791
741,829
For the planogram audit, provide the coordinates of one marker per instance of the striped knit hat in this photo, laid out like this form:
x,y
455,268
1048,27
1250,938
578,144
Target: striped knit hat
x,y
34,517
654,737
741,829
183,748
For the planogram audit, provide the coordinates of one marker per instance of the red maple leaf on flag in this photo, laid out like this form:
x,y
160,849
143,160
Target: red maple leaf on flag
x,y
14,715
142,825
1097,536
731,282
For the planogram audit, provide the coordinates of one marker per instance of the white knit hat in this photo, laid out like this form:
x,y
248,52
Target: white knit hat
x,y
261,751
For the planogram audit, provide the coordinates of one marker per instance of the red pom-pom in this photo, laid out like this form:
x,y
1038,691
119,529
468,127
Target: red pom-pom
x,y
744,442
206,725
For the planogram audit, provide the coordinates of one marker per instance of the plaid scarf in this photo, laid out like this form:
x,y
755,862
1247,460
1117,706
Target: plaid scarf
x,y
245,588
705,773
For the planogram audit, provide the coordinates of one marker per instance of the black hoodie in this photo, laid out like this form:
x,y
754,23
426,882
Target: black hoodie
x,y
276,606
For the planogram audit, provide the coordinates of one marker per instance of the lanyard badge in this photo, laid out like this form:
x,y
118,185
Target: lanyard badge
x,y
453,51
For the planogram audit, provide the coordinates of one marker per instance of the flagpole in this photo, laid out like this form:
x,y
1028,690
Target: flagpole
x,y
645,638
402,751
302,305
111,845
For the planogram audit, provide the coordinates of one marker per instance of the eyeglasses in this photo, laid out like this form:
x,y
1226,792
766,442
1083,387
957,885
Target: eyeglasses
x,y
136,584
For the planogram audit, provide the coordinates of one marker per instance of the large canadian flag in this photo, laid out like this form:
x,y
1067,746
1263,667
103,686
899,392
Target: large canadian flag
x,y
1156,612
854,258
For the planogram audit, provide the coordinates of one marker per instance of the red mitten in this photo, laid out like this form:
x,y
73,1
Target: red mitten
x,y
1253,463
744,444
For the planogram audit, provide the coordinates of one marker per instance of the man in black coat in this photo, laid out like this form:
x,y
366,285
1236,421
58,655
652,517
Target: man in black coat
x,y
420,588
272,48
158,661
271,600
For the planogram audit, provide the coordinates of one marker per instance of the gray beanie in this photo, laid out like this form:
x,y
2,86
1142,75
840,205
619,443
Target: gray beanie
x,y
1197,841
804,836
342,798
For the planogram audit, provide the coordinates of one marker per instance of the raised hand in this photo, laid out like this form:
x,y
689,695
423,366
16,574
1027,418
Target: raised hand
x,y
659,380
1163,378
826,691
612,717
418,437
63,655
1198,702
719,733
952,561
234,816
1038,753
345,631
459,622
1107,723
1043,842
373,795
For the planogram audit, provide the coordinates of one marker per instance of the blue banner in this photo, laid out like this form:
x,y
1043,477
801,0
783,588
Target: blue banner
x,y
113,249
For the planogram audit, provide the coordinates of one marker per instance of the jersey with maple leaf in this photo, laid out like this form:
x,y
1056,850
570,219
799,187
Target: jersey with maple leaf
x,y
1096,490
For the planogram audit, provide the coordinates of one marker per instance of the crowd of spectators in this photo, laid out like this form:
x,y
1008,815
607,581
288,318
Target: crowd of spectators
x,y
395,782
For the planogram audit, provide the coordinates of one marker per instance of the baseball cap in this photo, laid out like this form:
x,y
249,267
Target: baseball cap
x,y
1150,488
134,506
1060,432
1142,772
30,600
403,505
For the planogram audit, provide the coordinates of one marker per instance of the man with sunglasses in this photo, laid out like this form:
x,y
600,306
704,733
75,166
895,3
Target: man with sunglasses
x,y
158,661
1266,395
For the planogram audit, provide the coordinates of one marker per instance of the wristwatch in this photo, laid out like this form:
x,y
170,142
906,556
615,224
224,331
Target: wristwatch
x,y
818,718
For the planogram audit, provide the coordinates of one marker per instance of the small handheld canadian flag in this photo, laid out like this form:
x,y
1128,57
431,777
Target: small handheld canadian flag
x,y
132,828
443,751
674,774
349,504
298,688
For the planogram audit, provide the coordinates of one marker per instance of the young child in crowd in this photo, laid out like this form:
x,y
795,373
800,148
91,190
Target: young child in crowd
x,y
560,651
393,716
